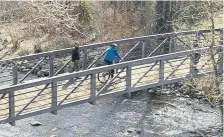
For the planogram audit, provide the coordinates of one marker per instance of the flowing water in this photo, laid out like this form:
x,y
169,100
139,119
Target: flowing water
x,y
150,115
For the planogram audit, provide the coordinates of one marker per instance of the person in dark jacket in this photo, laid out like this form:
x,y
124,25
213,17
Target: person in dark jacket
x,y
75,59
110,56
197,54
75,67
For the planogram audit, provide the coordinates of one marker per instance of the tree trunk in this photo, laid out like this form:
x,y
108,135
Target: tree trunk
x,y
164,19
214,63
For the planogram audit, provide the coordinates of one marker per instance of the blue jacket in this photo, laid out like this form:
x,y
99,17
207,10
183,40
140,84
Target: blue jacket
x,y
111,53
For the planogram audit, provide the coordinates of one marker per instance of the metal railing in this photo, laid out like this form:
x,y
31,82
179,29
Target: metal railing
x,y
55,62
44,95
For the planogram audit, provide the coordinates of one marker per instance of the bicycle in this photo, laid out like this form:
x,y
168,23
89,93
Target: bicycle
x,y
103,77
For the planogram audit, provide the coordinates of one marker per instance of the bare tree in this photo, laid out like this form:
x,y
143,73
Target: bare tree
x,y
206,11
54,24
164,20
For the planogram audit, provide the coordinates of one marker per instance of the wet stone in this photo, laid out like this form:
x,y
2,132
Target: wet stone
x,y
138,131
149,101
43,73
24,69
130,130
35,123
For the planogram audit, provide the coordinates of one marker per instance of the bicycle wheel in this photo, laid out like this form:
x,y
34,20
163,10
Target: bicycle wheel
x,y
103,77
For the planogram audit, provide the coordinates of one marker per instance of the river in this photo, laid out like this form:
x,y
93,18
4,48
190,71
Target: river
x,y
150,115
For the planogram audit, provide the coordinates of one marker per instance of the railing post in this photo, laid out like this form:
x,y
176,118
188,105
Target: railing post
x,y
84,60
220,65
172,44
128,80
192,63
12,97
192,69
221,37
93,89
144,48
53,85
161,73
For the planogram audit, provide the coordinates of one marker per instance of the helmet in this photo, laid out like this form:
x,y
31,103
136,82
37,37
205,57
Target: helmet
x,y
113,45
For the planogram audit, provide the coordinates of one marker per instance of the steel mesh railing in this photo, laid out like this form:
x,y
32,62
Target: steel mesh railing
x,y
59,61
51,94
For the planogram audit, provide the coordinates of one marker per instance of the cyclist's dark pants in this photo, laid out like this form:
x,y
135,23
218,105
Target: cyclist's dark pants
x,y
111,71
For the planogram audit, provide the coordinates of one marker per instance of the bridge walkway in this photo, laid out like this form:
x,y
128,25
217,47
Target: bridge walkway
x,y
48,94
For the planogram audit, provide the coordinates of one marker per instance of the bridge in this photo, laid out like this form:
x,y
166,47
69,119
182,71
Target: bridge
x,y
35,84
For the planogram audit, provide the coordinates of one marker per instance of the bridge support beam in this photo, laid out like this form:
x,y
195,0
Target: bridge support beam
x,y
192,63
144,48
220,65
53,86
84,60
172,44
54,98
128,81
12,97
93,89
161,73
192,69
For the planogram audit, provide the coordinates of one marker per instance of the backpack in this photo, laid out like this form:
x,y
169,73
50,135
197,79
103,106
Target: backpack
x,y
75,54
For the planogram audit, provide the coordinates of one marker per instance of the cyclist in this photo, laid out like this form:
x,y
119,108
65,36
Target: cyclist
x,y
110,55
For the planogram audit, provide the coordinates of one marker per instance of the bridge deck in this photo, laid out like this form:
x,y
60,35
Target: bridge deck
x,y
28,100
59,61
22,94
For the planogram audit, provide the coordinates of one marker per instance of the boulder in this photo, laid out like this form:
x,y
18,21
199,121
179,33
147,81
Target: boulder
x,y
23,69
138,131
43,73
28,45
131,130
